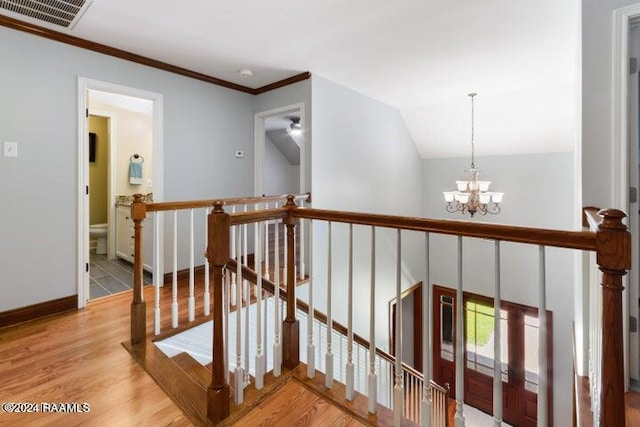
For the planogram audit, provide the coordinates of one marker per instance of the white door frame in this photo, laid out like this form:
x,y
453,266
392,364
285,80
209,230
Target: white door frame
x,y
85,84
620,165
111,184
260,140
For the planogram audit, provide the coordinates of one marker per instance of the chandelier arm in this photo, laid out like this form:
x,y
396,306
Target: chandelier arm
x,y
451,208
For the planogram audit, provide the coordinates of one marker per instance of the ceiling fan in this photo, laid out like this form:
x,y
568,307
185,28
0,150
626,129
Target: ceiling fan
x,y
294,128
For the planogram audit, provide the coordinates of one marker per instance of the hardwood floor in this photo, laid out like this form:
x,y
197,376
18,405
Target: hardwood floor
x,y
632,402
78,357
310,410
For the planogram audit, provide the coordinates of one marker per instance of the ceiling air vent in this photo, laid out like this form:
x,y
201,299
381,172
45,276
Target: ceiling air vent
x,y
62,13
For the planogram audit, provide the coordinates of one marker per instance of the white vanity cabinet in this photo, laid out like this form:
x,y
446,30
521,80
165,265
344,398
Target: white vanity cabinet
x,y
125,236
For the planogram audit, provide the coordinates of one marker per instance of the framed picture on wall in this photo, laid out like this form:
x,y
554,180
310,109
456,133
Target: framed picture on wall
x,y
92,147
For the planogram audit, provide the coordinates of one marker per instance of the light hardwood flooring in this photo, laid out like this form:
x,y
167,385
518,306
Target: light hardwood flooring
x,y
310,410
78,357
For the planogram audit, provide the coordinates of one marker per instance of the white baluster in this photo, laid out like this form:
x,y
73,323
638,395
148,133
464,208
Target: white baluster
x,y
398,395
207,293
459,416
239,372
426,338
158,277
328,358
277,346
234,300
225,319
302,249
245,245
349,366
311,352
497,337
260,365
247,329
266,245
191,301
174,304
247,302
542,342
373,379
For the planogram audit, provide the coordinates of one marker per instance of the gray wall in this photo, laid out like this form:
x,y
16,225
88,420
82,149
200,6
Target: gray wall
x,y
203,125
280,177
363,160
539,193
292,94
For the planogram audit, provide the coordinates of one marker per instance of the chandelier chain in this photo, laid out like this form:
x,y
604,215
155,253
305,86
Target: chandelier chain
x,y
473,162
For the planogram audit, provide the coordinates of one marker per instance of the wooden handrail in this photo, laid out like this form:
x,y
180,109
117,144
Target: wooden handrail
x,y
584,240
438,387
192,204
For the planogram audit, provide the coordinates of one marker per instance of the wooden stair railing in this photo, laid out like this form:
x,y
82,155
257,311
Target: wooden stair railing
x,y
610,241
438,393
218,243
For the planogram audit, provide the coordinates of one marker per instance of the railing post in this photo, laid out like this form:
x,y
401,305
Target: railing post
x,y
290,325
218,401
138,305
613,248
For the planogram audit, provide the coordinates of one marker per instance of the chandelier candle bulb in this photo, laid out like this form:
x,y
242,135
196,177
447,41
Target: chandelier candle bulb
x,y
473,195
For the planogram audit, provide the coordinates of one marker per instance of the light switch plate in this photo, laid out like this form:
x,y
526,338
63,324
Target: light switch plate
x,y
10,149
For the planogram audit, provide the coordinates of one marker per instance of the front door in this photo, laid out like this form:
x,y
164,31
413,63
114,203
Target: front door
x,y
519,354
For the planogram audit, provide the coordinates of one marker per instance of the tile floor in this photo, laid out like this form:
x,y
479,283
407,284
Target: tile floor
x,y
111,276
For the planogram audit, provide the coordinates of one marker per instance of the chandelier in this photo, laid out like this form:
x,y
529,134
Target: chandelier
x,y
473,195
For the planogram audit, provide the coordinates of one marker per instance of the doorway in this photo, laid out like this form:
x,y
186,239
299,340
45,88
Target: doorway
x,y
411,326
279,144
122,108
519,358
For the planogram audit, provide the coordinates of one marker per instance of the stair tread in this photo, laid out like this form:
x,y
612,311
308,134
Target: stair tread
x,y
193,368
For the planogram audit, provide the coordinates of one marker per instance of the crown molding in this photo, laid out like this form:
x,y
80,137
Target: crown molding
x,y
47,33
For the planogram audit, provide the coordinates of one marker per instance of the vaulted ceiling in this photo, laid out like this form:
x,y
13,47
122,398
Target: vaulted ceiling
x,y
420,56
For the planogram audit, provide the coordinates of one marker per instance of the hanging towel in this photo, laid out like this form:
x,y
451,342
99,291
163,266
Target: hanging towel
x,y
135,172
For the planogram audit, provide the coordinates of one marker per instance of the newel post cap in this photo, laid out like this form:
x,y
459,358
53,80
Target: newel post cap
x,y
613,242
138,207
218,235
612,219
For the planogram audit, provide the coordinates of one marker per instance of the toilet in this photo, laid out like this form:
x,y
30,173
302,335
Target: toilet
x,y
99,232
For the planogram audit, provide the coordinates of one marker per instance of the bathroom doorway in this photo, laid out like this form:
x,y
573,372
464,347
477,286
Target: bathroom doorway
x,y
119,127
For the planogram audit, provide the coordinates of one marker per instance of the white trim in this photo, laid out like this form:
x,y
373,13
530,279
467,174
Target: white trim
x,y
620,142
85,84
259,142
111,196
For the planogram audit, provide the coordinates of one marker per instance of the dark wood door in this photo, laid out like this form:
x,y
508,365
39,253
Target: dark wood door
x,y
519,342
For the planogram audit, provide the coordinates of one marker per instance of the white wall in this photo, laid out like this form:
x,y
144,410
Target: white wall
x,y
203,125
597,19
280,177
134,135
363,160
538,193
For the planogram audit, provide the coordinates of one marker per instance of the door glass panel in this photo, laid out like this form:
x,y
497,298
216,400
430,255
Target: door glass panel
x,y
446,328
531,370
480,337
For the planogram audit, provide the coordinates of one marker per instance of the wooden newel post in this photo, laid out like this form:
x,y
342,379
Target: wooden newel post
x,y
290,325
218,400
138,306
613,248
